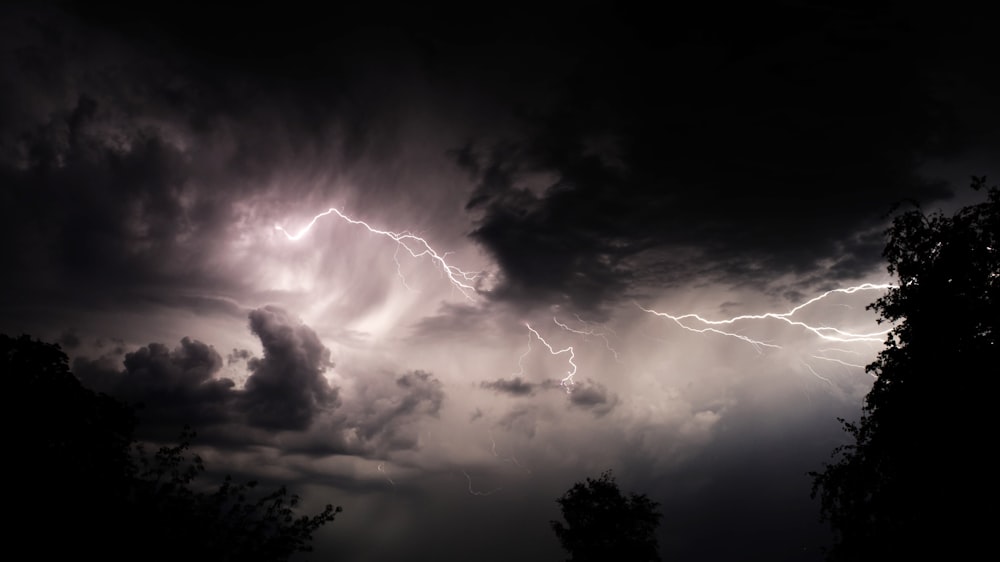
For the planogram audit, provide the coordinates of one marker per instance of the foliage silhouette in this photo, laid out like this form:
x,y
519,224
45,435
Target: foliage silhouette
x,y
910,482
79,466
603,524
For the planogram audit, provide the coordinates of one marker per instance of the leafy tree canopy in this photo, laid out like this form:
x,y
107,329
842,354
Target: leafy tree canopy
x,y
87,487
914,477
604,524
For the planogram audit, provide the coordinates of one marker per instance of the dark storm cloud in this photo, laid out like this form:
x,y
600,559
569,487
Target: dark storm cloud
x,y
585,395
286,389
174,386
122,154
286,392
514,387
728,150
635,151
99,215
594,397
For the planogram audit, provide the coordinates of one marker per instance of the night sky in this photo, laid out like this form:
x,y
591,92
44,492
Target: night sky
x,y
515,187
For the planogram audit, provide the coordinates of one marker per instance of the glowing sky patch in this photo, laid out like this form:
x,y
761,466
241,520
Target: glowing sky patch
x,y
416,246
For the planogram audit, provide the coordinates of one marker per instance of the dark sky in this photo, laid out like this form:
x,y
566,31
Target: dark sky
x,y
516,189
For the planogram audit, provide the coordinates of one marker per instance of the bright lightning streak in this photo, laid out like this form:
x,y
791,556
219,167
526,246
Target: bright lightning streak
x,y
825,332
841,361
399,269
520,360
567,381
474,492
590,332
757,344
416,246
817,375
838,350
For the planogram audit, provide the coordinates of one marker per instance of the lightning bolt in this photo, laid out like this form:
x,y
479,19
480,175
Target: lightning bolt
x,y
817,375
828,333
590,332
841,361
520,360
416,246
567,381
757,344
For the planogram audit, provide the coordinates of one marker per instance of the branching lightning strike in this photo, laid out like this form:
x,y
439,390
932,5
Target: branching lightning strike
x,y
589,332
567,381
828,333
416,246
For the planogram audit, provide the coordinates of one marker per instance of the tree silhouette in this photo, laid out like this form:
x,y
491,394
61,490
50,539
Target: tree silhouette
x,y
603,524
913,478
87,487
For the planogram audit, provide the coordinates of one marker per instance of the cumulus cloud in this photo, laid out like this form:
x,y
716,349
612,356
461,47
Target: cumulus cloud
x,y
287,392
174,386
514,387
287,388
594,397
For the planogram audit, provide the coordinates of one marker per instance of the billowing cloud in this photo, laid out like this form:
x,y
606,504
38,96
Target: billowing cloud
x,y
287,392
286,389
173,386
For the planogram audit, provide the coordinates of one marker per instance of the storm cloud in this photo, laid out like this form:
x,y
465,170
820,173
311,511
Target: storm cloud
x,y
514,387
172,387
286,388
